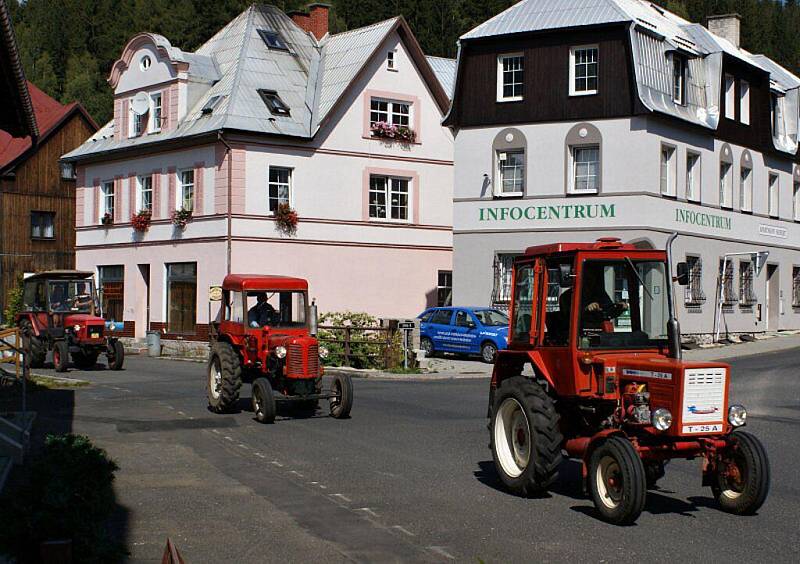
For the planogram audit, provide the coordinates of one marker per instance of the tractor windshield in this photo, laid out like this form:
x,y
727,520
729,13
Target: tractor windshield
x,y
76,296
276,309
623,304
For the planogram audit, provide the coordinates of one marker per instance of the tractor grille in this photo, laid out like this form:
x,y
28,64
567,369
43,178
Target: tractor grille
x,y
704,395
302,361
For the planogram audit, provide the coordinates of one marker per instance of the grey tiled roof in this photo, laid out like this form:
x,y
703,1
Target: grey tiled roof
x,y
445,71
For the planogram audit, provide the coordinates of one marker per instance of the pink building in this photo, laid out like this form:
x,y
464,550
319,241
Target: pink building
x,y
271,111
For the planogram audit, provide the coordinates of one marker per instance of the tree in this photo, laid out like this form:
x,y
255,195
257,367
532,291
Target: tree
x,y
84,82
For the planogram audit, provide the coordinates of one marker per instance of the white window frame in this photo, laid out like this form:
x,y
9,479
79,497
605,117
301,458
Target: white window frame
x,y
501,76
388,192
796,199
140,191
729,83
746,189
668,176
679,87
500,156
391,60
773,195
391,111
572,64
694,176
137,123
744,102
288,184
725,185
156,117
181,186
106,194
573,163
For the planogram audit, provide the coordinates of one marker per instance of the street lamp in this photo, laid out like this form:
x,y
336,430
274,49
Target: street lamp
x,y
759,259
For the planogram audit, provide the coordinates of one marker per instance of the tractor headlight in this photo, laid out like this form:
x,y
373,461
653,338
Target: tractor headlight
x,y
280,352
76,328
323,352
662,419
737,415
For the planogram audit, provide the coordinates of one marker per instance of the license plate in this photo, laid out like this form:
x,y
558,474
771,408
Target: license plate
x,y
94,335
695,429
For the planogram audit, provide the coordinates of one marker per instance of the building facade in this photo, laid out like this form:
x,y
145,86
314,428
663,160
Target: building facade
x,y
271,115
625,120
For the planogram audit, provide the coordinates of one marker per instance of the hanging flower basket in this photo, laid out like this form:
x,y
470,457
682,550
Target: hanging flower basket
x,y
107,219
286,219
384,130
141,220
181,217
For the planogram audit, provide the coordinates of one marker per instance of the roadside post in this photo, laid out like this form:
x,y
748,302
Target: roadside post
x,y
410,330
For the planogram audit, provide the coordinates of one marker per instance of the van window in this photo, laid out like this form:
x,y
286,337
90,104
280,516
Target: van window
x,y
442,317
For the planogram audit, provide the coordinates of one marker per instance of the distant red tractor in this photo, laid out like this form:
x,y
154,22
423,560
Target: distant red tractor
x,y
594,327
60,313
265,334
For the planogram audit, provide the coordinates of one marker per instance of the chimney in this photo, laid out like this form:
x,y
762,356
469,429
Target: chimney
x,y
301,19
726,25
319,19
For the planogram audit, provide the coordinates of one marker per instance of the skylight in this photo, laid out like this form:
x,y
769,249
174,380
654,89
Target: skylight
x,y
212,103
272,39
274,103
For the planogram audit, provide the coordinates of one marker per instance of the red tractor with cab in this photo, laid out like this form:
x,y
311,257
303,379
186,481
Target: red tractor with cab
x,y
265,334
60,313
594,369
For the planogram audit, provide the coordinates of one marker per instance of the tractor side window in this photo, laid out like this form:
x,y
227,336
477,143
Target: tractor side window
x,y
234,310
523,303
559,302
33,296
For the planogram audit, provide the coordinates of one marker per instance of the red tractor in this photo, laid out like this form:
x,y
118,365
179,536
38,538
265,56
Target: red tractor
x,y
60,313
595,323
265,334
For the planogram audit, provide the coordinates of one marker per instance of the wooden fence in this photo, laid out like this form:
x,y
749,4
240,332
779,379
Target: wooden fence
x,y
8,355
359,347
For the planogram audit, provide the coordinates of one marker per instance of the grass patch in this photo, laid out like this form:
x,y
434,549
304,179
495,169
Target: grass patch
x,y
47,383
401,370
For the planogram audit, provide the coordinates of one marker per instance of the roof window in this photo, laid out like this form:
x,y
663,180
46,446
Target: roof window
x,y
212,103
274,103
272,39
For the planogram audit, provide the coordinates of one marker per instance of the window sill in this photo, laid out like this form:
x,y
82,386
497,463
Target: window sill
x,y
583,93
392,70
390,221
582,192
43,238
506,100
390,140
508,195
670,196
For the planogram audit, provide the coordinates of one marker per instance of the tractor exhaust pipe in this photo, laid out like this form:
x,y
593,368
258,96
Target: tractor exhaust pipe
x,y
313,321
673,327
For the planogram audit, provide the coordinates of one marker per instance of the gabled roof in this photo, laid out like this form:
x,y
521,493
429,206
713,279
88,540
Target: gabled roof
x,y
445,70
17,117
49,115
311,78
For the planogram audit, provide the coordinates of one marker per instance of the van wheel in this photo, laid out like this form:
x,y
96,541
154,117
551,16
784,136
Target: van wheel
x,y
617,481
524,434
488,352
263,401
426,345
741,483
60,356
224,378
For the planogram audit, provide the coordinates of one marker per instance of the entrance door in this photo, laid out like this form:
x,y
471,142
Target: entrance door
x,y
143,301
773,297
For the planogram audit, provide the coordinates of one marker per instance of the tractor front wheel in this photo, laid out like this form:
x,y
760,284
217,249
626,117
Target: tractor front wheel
x,y
342,401
617,481
60,356
741,481
224,378
525,439
115,354
263,401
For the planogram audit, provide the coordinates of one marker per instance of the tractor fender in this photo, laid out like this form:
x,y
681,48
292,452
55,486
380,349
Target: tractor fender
x,y
511,363
583,447
30,317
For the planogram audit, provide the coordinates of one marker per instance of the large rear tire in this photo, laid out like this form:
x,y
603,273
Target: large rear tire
x,y
342,402
617,481
742,480
60,356
224,378
37,350
263,401
115,355
525,439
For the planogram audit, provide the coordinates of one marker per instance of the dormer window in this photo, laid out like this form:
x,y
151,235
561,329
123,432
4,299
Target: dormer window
x,y
510,72
272,39
583,70
678,79
212,103
155,111
274,103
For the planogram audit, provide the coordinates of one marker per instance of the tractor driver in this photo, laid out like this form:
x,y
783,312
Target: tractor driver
x,y
262,313
58,297
596,306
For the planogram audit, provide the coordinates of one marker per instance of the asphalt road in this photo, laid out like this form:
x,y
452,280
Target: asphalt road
x,y
408,478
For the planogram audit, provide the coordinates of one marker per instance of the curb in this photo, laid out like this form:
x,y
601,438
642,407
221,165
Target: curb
x,y
65,380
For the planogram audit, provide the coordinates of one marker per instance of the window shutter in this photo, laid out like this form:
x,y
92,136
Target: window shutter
x,y
171,189
198,187
97,196
156,193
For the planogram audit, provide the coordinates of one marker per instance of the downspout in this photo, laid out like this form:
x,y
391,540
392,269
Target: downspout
x,y
229,153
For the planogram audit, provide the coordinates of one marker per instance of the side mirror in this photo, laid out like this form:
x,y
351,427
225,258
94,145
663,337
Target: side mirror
x,y
471,324
683,274
314,321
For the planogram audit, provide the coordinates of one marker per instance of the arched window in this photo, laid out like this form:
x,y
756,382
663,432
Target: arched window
x,y
746,182
510,153
726,177
584,151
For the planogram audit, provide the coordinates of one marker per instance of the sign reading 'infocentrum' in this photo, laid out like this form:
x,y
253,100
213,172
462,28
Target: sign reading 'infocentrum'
x,y
546,213
703,219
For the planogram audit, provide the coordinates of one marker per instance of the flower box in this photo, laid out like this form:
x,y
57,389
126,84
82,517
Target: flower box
x,y
392,132
141,221
107,219
286,219
181,217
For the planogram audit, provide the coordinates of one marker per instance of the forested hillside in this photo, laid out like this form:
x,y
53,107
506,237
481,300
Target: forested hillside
x,y
68,46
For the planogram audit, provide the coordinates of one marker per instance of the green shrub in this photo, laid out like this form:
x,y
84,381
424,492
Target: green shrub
x,y
68,494
13,302
367,347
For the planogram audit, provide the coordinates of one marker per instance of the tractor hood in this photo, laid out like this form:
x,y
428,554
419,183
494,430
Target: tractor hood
x,y
82,319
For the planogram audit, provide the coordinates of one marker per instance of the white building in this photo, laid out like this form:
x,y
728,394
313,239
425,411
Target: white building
x,y
621,119
270,111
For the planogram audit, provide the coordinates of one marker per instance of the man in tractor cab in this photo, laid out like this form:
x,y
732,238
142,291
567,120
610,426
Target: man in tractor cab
x,y
596,306
262,313
58,297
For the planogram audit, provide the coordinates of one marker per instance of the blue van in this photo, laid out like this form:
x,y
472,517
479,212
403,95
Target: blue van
x,y
466,330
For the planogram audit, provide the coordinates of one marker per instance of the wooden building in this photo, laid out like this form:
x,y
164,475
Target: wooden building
x,y
37,197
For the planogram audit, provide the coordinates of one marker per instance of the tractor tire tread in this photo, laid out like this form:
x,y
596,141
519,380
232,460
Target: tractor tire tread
x,y
758,482
634,480
231,374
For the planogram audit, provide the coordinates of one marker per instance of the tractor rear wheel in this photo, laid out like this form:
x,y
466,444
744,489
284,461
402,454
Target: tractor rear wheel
x,y
60,356
263,401
36,347
224,378
617,481
741,483
115,354
83,360
342,402
525,439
